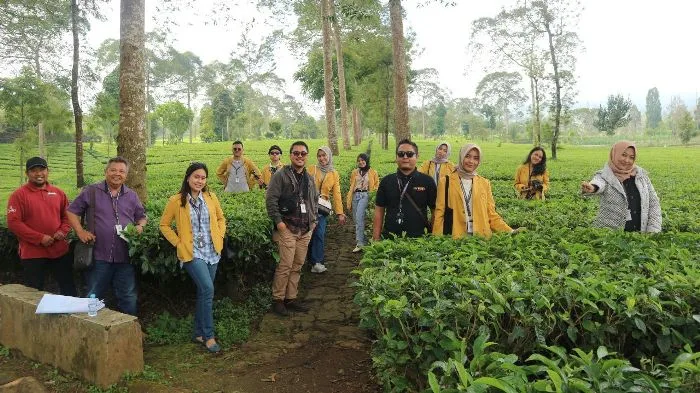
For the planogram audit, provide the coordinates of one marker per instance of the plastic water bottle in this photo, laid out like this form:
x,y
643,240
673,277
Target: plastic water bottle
x,y
92,305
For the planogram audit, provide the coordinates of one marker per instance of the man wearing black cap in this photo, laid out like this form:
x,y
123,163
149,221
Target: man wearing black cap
x,y
36,214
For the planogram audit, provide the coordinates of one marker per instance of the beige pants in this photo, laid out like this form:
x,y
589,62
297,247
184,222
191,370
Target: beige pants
x,y
292,250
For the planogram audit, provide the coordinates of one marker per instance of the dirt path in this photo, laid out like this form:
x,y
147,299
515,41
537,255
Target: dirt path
x,y
320,351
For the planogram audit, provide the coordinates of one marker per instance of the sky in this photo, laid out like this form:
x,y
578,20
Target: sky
x,y
629,46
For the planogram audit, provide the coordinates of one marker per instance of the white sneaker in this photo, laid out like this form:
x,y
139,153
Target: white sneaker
x,y
357,249
318,268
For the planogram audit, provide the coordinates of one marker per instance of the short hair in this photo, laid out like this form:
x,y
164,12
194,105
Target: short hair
x,y
298,143
237,143
117,159
406,141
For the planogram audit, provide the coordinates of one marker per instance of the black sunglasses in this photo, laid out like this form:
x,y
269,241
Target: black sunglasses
x,y
275,153
403,154
300,153
237,148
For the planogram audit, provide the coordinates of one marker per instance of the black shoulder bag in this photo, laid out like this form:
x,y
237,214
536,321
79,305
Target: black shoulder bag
x,y
82,252
425,219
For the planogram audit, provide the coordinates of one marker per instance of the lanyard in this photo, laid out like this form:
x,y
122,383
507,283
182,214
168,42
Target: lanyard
x,y
467,198
273,169
115,207
198,211
299,186
236,168
402,192
436,175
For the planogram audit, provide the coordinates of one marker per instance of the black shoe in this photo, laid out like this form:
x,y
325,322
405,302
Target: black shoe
x,y
279,308
293,305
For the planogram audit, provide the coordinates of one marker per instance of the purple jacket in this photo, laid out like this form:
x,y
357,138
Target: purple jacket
x,y
108,246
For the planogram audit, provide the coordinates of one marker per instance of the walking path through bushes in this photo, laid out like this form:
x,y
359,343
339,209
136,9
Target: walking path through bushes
x,y
323,350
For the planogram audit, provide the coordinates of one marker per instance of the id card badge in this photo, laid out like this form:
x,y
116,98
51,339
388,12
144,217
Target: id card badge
x,y
629,215
302,207
238,180
200,241
118,228
470,226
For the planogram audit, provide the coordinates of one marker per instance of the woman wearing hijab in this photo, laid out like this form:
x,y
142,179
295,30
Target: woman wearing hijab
x,y
627,198
464,204
363,180
532,177
327,182
199,237
439,165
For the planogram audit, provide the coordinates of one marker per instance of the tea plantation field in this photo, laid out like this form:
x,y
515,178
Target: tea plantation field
x,y
561,307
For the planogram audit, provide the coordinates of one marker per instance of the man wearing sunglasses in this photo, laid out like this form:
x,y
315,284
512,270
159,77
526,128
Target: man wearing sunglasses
x,y
235,171
275,153
403,198
292,203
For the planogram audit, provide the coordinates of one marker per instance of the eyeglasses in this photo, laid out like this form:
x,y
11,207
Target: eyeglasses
x,y
275,153
403,154
297,153
237,148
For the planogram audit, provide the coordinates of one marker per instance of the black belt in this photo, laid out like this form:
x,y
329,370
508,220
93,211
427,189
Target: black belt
x,y
358,190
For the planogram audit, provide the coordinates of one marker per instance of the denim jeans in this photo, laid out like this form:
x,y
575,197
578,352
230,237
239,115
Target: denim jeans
x,y
203,275
122,276
360,200
318,241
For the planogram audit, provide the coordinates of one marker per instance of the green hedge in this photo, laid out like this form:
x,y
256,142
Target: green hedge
x,y
634,294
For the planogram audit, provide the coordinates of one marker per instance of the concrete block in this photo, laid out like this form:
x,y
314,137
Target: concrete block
x,y
99,349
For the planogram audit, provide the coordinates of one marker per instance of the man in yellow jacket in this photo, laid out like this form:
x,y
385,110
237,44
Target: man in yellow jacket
x,y
235,171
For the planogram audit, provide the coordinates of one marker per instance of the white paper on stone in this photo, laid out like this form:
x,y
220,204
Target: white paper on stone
x,y
58,304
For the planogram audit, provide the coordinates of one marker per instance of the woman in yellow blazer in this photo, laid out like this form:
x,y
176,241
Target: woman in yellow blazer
x,y
439,165
532,177
199,232
363,180
467,207
327,182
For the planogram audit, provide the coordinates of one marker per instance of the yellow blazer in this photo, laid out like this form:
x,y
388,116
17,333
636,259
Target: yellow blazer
x,y
428,168
223,170
522,180
331,184
183,238
267,173
486,219
372,184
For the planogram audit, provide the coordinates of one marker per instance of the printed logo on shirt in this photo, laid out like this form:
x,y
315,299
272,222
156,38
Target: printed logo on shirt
x,y
49,193
418,189
11,210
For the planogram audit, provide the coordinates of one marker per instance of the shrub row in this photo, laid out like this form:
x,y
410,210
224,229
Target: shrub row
x,y
634,294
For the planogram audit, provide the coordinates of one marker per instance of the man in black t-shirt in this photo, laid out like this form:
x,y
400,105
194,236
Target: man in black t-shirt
x,y
403,198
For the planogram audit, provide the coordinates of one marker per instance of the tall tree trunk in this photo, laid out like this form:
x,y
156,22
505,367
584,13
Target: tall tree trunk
x,y
328,77
191,125
149,142
356,131
401,129
557,92
77,111
131,141
422,114
41,138
341,77
536,127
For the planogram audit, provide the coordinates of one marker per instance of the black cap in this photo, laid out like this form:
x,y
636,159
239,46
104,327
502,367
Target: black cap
x,y
36,161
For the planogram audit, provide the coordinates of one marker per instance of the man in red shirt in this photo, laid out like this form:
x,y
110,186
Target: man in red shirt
x,y
36,214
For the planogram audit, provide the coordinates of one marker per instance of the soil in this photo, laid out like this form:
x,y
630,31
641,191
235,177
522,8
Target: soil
x,y
321,351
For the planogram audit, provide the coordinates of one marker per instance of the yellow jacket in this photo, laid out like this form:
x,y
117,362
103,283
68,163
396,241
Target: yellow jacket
x,y
223,170
428,168
331,184
267,172
522,180
182,239
486,219
373,184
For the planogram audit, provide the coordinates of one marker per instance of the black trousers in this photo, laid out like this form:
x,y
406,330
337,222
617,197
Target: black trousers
x,y
61,268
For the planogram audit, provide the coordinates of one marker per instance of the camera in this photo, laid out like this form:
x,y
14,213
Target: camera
x,y
536,184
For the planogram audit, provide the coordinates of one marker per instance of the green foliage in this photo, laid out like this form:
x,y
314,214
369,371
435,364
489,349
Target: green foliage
x,y
687,127
175,117
615,115
232,320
